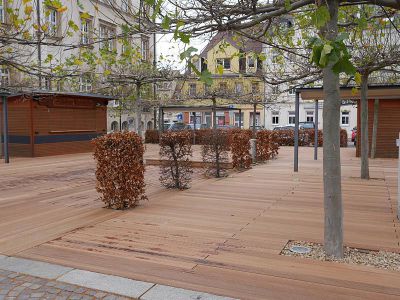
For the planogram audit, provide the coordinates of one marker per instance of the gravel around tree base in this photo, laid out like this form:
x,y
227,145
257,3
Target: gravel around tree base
x,y
377,259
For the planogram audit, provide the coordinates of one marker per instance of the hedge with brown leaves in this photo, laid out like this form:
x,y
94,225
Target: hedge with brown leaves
x,y
152,136
267,145
214,152
306,137
240,148
120,169
343,138
175,152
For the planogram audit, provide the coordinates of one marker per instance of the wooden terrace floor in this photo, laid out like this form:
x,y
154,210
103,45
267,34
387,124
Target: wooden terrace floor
x,y
221,236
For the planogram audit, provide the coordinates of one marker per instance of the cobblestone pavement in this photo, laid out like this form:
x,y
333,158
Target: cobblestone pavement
x,y
16,286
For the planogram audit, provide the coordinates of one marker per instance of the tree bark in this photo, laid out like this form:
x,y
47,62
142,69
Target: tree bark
x,y
364,128
375,128
138,109
333,231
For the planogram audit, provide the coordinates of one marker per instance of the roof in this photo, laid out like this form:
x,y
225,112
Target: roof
x,y
374,92
241,43
49,93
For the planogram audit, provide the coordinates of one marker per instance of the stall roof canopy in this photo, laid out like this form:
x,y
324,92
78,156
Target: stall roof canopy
x,y
179,108
49,93
374,92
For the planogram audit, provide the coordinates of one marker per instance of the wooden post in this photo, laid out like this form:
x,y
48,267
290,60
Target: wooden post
x,y
398,182
296,132
5,129
375,128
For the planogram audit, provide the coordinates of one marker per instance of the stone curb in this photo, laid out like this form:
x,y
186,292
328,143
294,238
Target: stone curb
x,y
102,282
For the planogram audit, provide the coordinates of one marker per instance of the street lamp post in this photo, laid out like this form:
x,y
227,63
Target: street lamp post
x,y
4,94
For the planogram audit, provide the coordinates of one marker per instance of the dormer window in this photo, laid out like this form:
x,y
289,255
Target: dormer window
x,y
251,62
224,62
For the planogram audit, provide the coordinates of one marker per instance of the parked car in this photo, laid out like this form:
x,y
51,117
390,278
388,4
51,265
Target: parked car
x,y
258,127
198,126
178,127
306,125
288,127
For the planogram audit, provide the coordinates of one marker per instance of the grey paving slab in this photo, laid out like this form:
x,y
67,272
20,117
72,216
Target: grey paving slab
x,y
109,283
163,292
34,268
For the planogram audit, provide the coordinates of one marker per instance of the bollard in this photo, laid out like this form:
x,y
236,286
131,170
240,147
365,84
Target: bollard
x,y
253,149
398,181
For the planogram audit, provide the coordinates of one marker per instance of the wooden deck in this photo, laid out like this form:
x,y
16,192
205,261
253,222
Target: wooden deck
x,y
221,236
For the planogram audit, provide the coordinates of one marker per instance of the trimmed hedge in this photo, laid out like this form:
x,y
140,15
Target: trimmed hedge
x,y
120,169
214,152
152,136
175,152
239,142
267,145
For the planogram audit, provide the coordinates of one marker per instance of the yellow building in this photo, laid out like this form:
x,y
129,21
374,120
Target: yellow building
x,y
237,81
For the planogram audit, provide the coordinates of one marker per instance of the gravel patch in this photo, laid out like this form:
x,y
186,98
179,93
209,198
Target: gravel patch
x,y
377,259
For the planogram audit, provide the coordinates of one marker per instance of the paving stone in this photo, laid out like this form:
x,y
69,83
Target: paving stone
x,y
108,283
34,268
162,292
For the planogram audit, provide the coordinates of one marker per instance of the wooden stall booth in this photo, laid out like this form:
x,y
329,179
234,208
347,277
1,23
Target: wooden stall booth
x,y
46,123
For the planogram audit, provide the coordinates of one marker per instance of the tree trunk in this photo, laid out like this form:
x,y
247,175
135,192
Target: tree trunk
x,y
333,235
138,109
364,128
375,128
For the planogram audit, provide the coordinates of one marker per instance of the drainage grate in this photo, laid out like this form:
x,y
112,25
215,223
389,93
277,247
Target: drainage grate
x,y
300,249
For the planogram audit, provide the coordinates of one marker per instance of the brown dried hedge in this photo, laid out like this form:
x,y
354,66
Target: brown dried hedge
x,y
120,169
267,145
343,138
239,141
214,152
152,136
175,152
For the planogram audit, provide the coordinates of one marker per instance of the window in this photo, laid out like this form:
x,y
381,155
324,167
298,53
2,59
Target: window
x,y
4,76
60,85
239,117
114,126
292,91
239,88
85,83
251,63
125,126
86,31
275,118
255,88
47,83
52,22
257,119
345,118
275,90
224,62
145,48
2,11
223,87
107,33
292,118
309,116
192,89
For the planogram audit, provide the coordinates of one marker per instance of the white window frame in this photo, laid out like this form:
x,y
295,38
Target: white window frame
x,y
253,85
4,76
275,118
192,89
223,62
236,119
275,90
238,90
86,31
2,11
53,21
254,62
292,91
291,116
85,83
309,116
106,32
345,114
145,48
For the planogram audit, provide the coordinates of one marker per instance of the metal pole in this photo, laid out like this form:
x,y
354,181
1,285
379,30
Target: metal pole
x,y
316,131
254,119
194,128
296,133
5,128
39,42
